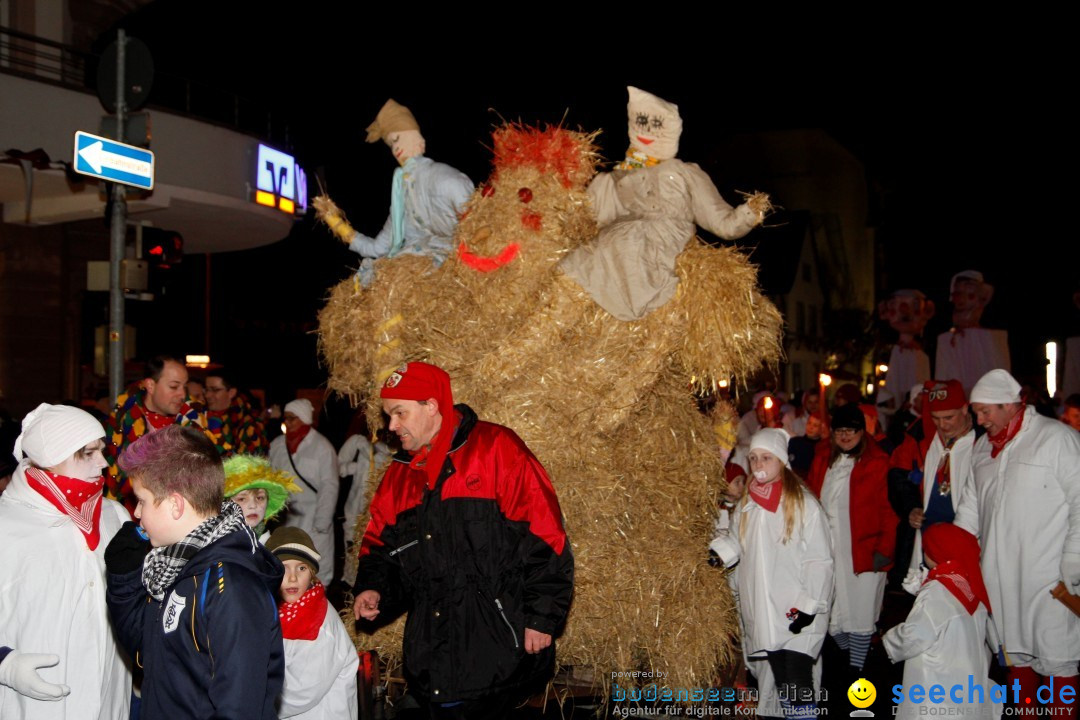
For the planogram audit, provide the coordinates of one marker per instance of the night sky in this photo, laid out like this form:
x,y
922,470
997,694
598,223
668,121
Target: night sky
x,y
963,140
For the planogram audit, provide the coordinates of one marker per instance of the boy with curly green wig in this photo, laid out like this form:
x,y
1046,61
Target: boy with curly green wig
x,y
260,490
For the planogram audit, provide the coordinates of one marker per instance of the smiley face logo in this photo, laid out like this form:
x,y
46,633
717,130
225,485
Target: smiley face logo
x,y
862,693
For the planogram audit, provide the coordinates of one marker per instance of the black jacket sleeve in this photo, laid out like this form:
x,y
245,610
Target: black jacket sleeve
x,y
127,600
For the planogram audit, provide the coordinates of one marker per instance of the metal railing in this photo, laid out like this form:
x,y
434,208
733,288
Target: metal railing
x,y
46,60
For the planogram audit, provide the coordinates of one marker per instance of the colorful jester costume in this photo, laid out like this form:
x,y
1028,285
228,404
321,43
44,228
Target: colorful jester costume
x,y
129,421
237,430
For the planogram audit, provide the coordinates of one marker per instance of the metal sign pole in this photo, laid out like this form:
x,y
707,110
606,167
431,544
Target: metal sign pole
x,y
116,255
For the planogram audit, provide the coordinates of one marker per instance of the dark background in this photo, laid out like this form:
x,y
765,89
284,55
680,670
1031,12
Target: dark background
x,y
963,136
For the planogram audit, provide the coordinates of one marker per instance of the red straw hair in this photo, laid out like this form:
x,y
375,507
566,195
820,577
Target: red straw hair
x,y
554,150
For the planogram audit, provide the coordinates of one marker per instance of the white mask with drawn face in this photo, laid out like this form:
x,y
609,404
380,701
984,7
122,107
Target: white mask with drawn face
x,y
655,125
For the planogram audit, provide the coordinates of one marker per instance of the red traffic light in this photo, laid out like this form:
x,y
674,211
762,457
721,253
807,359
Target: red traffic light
x,y
163,247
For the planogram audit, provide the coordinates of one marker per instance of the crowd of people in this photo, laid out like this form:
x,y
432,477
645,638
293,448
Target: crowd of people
x,y
169,562
972,506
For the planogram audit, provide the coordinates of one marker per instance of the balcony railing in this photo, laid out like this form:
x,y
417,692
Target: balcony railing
x,y
49,61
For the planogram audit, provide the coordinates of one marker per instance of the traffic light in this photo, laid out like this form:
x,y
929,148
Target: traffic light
x,y
164,248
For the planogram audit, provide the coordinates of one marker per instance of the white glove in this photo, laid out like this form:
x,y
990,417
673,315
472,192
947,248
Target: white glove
x,y
1070,571
19,672
914,580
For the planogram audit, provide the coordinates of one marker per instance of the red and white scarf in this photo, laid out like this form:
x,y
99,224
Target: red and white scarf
x,y
767,495
302,619
952,577
78,499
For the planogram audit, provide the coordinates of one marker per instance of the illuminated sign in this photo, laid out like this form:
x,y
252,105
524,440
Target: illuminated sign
x,y
280,182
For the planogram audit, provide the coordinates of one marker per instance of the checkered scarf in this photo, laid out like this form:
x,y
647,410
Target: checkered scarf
x,y
163,565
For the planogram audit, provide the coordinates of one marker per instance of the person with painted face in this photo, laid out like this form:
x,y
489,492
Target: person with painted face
x,y
426,198
648,209
54,528
259,489
780,539
851,482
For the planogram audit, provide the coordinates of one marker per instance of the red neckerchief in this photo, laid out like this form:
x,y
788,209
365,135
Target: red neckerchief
x,y
78,499
293,439
999,441
951,574
157,420
420,457
767,495
302,619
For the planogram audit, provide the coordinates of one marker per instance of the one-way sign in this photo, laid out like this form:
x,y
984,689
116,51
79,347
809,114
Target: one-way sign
x,y
109,160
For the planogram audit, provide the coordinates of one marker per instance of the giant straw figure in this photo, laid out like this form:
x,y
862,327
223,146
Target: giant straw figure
x,y
604,403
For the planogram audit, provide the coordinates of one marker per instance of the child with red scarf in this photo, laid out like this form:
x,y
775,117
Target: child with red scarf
x,y
320,660
943,640
785,578
305,454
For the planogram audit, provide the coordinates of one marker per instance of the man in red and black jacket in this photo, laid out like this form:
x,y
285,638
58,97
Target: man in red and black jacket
x,y
466,536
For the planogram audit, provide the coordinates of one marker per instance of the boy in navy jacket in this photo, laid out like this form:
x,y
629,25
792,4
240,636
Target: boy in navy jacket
x,y
191,591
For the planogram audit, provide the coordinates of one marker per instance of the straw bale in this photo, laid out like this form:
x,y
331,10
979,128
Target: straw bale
x,y
605,405
731,328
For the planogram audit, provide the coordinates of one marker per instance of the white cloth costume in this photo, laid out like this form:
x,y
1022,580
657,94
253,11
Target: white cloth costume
x,y
320,675
765,563
858,598
968,354
355,458
52,600
646,217
312,510
648,214
941,644
775,576
1025,510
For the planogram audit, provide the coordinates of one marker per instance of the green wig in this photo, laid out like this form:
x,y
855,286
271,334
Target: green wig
x,y
251,472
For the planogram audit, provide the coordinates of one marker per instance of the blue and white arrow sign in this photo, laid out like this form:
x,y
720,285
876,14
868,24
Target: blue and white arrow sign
x,y
109,160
